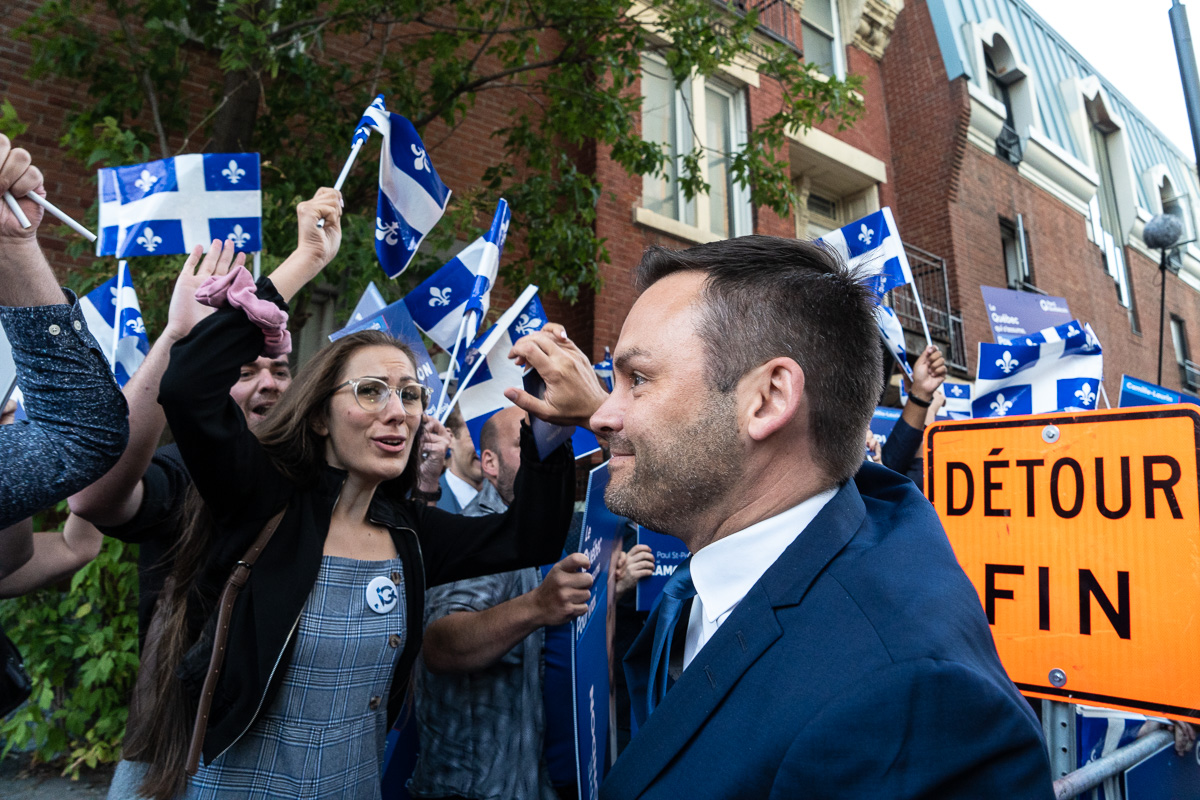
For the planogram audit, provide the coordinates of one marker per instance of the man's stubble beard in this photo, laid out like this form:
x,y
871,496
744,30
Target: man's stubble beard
x,y
679,477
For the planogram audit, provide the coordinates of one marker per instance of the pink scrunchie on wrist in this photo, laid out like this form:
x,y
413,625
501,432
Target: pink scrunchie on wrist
x,y
236,288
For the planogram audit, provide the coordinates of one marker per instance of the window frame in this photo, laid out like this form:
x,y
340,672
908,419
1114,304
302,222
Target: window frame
x,y
839,50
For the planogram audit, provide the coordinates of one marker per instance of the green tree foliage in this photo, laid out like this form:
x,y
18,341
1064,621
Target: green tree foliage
x,y
275,83
80,648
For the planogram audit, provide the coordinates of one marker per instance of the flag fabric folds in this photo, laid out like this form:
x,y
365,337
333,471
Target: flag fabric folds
x,y
368,305
604,369
394,320
171,205
893,336
115,319
1055,334
438,304
412,198
958,401
1045,377
872,245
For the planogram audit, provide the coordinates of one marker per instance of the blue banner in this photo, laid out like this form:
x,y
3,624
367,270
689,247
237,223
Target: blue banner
x,y
1016,314
669,553
882,422
1142,393
396,322
1164,774
600,542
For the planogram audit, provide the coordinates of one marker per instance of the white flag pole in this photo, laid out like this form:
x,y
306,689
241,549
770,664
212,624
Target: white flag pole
x,y
463,323
257,264
341,178
1104,395
117,314
62,216
502,324
921,312
15,208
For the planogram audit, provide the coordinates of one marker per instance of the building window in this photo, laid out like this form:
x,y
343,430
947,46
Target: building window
x,y
822,36
1015,246
1008,142
1189,374
1106,220
823,215
671,118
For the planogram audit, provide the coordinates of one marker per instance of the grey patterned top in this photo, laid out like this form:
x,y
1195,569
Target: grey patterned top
x,y
482,733
78,422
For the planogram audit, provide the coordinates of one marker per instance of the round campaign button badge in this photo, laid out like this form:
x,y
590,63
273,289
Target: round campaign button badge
x,y
381,595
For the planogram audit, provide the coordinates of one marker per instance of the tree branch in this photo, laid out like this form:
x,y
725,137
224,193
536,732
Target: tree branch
x,y
148,88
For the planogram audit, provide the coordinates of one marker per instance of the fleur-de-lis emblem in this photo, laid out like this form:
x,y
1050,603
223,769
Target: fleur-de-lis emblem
x,y
865,234
1008,363
421,162
147,180
528,323
378,103
441,297
136,325
470,357
1086,396
239,237
1092,341
503,232
233,172
1000,405
956,390
387,231
148,240
1071,331
1030,342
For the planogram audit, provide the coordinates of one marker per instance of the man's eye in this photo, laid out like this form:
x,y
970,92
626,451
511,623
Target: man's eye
x,y
283,375
636,380
245,376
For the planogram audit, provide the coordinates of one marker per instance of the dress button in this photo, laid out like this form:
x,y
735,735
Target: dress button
x,y
393,641
54,330
396,577
374,704
77,325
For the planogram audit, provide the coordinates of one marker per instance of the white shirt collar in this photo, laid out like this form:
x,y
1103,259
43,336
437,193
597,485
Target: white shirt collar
x,y
724,571
463,491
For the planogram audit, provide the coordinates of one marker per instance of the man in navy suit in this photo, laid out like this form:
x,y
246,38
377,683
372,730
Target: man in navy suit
x,y
822,641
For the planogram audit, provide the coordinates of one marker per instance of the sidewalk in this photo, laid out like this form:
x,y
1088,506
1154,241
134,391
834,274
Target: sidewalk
x,y
17,782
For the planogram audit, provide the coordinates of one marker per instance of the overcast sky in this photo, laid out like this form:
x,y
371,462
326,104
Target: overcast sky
x,y
1129,43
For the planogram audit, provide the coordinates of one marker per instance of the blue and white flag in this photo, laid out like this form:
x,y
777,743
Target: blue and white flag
x,y
958,401
893,336
604,369
369,304
438,304
873,245
395,321
115,319
1055,334
171,205
412,198
1043,378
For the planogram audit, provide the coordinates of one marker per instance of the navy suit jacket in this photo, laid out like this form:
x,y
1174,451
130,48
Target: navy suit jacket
x,y
448,501
859,666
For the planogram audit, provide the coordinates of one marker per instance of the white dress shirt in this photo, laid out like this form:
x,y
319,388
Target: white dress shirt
x,y
724,571
463,491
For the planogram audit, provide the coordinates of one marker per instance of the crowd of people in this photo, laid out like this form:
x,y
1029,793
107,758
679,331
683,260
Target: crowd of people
x,y
318,554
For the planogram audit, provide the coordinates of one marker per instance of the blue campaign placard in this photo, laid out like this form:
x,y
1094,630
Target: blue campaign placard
x,y
669,553
1012,314
882,422
1143,393
396,321
599,541
1164,774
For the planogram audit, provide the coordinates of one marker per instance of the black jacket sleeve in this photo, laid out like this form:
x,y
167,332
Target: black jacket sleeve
x,y
530,533
228,465
901,447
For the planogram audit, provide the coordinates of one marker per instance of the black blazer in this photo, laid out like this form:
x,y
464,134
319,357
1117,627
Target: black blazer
x,y
243,489
859,666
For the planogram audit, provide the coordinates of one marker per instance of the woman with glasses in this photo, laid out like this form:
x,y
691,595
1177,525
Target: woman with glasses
x,y
323,635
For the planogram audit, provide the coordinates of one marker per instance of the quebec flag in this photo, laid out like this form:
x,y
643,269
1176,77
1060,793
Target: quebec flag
x,y
438,304
1055,334
873,246
171,205
395,321
370,303
412,198
893,336
1040,378
115,319
487,370
958,401
604,370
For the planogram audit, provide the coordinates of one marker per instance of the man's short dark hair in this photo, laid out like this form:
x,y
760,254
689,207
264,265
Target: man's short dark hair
x,y
455,421
767,297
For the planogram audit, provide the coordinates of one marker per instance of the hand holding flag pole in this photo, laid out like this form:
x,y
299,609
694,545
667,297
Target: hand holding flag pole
x,y
54,210
341,178
15,208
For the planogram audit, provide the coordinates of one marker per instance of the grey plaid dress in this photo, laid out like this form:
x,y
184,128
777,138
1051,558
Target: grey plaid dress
x,y
323,735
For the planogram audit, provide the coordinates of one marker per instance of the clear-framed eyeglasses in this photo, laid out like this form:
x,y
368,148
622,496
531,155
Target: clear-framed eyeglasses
x,y
373,394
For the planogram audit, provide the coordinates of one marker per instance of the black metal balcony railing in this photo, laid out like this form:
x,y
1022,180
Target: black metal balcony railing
x,y
945,324
1008,145
776,18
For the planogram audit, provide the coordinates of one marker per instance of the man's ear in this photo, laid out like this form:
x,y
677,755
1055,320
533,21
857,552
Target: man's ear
x,y
770,397
489,462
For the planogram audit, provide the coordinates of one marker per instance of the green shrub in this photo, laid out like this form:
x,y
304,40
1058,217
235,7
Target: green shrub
x,y
81,651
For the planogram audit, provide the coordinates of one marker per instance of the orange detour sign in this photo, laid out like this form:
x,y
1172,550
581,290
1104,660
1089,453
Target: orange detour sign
x,y
1081,533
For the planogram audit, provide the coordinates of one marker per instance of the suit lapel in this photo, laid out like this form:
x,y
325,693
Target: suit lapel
x,y
748,632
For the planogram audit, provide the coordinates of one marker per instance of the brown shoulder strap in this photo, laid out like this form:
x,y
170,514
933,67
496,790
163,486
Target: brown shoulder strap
x,y
237,579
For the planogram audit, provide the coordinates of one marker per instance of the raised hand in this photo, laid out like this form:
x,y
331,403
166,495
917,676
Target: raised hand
x,y
320,243
573,392
184,311
20,177
435,440
563,594
928,373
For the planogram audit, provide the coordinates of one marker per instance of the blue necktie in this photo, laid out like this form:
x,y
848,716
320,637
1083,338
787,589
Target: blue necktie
x,y
678,590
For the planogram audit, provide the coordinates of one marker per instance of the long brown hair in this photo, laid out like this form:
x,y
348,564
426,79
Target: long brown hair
x,y
288,435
